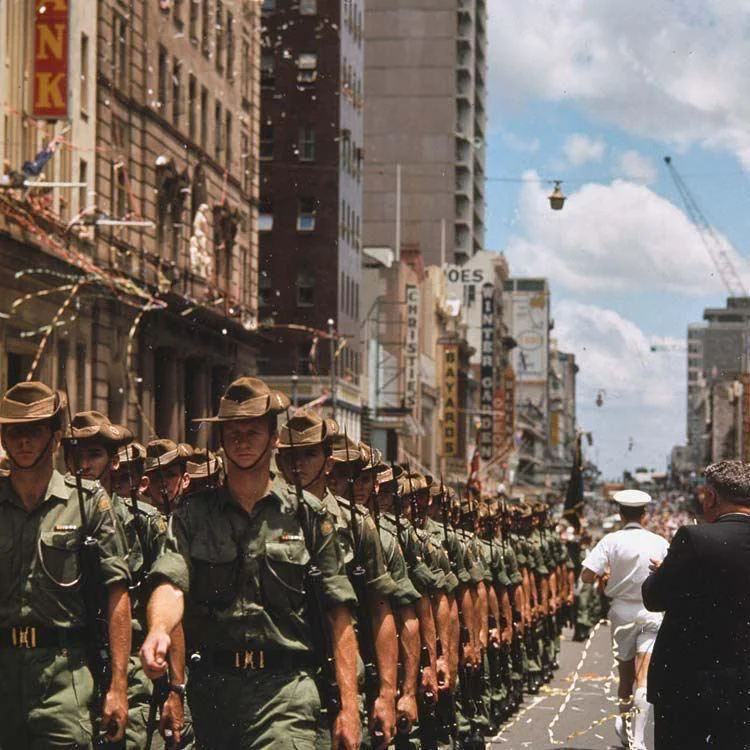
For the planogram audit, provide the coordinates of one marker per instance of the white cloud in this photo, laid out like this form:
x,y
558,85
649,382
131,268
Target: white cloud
x,y
637,167
516,143
644,392
674,71
580,149
613,237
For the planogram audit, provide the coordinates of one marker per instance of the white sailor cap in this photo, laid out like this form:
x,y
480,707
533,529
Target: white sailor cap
x,y
632,498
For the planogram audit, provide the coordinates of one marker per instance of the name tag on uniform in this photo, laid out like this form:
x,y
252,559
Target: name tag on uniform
x,y
66,527
291,538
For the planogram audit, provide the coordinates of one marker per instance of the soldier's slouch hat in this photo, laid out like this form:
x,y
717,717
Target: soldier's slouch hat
x,y
30,401
306,428
248,398
88,425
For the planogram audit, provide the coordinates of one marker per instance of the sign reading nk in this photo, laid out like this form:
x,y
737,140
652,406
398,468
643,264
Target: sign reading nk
x,y
51,59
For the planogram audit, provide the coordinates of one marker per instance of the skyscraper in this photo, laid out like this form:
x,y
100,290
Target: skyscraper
x,y
425,120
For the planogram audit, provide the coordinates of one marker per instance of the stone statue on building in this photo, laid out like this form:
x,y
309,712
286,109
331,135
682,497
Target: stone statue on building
x,y
200,256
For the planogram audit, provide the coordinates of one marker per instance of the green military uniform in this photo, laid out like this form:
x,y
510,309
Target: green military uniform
x,y
248,623
46,687
406,594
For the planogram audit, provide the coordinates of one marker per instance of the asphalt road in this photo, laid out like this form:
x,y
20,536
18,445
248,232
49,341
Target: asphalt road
x,y
593,700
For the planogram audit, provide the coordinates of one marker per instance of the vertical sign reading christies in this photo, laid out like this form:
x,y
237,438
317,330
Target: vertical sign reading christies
x,y
51,59
411,350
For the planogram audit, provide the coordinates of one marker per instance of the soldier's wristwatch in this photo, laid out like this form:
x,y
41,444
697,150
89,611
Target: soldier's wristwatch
x,y
177,688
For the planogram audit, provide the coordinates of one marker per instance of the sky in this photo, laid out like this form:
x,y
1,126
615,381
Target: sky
x,y
596,94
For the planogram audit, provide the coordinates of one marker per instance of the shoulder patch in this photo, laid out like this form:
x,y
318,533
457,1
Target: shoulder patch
x,y
326,527
104,504
161,525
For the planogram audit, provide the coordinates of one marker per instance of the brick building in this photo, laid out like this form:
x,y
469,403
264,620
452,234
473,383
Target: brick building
x,y
163,122
311,161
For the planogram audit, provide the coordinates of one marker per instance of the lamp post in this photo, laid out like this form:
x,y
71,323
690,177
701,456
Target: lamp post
x,y
332,345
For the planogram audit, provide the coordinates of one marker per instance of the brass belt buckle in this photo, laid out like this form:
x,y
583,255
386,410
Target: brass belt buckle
x,y
255,659
23,636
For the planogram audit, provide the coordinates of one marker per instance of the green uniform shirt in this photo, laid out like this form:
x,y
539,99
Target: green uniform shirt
x,y
419,572
472,556
538,552
243,573
519,546
452,547
406,595
511,564
369,553
494,556
436,558
39,552
147,529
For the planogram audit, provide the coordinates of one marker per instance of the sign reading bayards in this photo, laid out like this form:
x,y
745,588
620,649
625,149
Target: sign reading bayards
x,y
51,26
450,400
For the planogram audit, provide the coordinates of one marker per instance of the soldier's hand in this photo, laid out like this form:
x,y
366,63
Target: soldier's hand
x,y
383,717
443,674
114,715
346,731
154,654
406,711
506,635
495,636
172,718
429,681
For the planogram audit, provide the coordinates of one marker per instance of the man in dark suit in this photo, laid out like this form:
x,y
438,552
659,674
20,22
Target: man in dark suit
x,y
699,679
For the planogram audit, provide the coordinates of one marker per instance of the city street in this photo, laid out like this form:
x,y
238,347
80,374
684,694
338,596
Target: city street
x,y
586,722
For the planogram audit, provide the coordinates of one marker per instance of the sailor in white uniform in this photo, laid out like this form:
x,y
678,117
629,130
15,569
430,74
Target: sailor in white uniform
x,y
624,556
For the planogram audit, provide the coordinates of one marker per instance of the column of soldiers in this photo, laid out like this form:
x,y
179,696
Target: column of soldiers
x,y
295,592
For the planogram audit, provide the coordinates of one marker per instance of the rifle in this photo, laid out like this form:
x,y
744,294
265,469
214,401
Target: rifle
x,y
97,645
329,688
364,620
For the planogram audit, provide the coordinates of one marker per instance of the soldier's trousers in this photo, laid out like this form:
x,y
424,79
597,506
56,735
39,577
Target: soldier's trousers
x,y
267,708
45,695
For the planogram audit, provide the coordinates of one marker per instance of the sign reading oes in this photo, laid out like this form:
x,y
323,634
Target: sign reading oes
x,y
462,275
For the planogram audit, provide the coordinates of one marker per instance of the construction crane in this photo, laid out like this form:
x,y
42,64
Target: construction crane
x,y
714,244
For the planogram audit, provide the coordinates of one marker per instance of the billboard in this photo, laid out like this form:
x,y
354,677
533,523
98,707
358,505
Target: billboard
x,y
487,373
411,349
529,325
51,26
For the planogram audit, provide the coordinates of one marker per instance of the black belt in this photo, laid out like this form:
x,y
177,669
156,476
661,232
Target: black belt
x,y
251,660
35,636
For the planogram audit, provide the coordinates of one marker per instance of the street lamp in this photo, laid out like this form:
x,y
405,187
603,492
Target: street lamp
x,y
556,198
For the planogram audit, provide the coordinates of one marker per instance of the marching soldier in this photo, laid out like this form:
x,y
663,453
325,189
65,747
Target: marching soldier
x,y
306,446
205,470
102,450
244,555
356,462
52,675
166,472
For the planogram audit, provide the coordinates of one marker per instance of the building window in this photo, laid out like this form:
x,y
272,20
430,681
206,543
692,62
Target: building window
x,y
268,6
307,68
265,294
83,174
305,289
84,91
193,23
162,74
267,70
218,129
119,50
192,92
245,72
206,29
177,13
228,138
308,7
119,174
204,118
230,47
266,142
219,49
176,91
265,216
306,215
306,144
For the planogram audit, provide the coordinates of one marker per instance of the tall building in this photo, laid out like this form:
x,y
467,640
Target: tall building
x,y
425,122
310,219
718,351
162,102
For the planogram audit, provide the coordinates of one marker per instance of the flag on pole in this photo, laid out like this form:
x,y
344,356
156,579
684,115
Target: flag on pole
x,y
574,495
